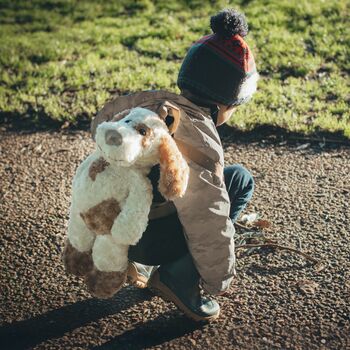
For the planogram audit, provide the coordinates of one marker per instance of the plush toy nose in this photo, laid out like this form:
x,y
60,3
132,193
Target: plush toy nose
x,y
113,138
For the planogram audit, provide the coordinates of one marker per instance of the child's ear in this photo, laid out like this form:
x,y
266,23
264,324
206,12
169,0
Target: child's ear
x,y
174,171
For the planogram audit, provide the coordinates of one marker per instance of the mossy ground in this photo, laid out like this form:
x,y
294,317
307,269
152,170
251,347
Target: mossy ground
x,y
62,59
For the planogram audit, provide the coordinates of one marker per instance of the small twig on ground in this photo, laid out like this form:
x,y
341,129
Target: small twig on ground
x,y
299,242
243,226
4,195
274,245
60,150
323,140
337,188
320,195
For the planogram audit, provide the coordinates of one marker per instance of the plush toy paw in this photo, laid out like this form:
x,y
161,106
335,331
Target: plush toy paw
x,y
103,284
77,263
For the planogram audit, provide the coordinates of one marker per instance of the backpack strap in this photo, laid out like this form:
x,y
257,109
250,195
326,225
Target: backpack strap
x,y
200,158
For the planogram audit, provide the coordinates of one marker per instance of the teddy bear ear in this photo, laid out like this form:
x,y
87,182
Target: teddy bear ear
x,y
174,170
171,115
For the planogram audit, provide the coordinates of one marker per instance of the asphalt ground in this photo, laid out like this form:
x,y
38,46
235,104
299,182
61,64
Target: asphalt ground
x,y
278,301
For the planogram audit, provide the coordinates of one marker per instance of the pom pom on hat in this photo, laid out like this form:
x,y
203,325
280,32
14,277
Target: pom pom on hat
x,y
229,22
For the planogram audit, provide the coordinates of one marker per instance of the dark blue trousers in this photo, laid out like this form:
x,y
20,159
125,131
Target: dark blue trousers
x,y
240,187
163,241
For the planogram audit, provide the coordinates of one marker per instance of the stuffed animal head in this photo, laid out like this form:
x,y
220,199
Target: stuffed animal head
x,y
141,139
133,138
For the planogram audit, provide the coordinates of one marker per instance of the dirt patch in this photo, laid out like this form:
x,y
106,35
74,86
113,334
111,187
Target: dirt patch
x,y
303,191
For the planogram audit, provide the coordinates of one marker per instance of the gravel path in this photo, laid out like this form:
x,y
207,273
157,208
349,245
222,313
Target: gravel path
x,y
303,192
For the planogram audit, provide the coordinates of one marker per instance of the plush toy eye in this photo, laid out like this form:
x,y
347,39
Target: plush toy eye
x,y
127,121
142,131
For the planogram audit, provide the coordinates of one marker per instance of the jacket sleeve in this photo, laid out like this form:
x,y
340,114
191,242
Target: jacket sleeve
x,y
204,214
204,209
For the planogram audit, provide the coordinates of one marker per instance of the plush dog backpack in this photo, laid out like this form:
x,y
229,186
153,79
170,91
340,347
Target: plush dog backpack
x,y
112,196
205,222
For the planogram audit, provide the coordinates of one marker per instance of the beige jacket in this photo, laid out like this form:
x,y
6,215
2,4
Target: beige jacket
x,y
204,209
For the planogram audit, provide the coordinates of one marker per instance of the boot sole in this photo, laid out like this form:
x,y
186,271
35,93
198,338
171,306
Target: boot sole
x,y
160,289
135,278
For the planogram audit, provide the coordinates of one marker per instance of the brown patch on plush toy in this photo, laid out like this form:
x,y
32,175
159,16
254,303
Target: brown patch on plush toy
x,y
96,167
146,132
103,284
77,263
173,170
100,218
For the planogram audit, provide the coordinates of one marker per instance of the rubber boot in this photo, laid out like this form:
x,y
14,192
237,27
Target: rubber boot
x,y
178,282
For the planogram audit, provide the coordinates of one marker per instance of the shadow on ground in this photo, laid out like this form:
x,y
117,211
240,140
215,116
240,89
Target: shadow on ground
x,y
32,121
55,323
164,328
26,123
274,134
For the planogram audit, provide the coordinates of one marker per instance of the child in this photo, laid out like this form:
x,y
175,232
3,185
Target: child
x,y
193,241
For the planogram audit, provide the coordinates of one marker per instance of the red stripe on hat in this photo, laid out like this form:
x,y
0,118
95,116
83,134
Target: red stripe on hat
x,y
227,54
249,62
239,54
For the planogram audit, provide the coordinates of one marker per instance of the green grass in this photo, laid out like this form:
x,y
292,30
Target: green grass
x,y
62,59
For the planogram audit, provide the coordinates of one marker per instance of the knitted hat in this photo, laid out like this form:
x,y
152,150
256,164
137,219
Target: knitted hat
x,y
220,67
